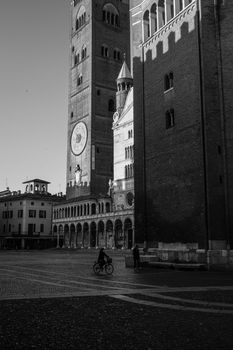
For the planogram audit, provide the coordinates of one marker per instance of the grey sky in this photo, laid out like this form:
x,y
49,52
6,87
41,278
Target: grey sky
x,y
34,56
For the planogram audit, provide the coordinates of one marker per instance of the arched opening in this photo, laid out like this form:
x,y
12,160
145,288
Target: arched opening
x,y
119,236
153,15
79,235
66,236
61,238
101,237
81,18
93,209
146,25
109,232
72,236
107,207
161,13
86,235
93,235
128,233
85,209
110,15
170,9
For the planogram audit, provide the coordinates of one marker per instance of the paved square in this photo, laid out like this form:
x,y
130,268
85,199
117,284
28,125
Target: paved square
x,y
60,290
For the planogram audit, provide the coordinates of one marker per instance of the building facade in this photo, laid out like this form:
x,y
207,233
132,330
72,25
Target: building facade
x,y
100,37
26,218
181,53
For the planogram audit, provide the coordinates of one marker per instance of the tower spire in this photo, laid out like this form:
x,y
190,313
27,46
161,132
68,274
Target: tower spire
x,y
124,84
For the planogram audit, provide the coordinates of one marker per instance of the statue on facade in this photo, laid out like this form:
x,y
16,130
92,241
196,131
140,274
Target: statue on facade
x,y
78,175
110,187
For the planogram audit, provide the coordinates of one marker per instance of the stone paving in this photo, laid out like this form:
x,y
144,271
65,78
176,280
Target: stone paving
x,y
53,300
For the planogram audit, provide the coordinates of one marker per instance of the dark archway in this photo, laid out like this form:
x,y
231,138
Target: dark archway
x,y
128,233
109,231
72,235
101,236
66,236
79,235
93,234
119,236
86,235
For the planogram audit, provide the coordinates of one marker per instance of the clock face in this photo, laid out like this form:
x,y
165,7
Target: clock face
x,y
78,138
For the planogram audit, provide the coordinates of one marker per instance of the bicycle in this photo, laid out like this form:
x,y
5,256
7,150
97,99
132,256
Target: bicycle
x,y
108,267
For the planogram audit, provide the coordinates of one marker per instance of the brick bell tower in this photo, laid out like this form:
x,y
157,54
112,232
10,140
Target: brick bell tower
x,y
100,34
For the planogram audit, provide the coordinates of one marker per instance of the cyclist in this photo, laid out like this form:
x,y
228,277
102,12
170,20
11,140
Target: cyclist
x,y
101,257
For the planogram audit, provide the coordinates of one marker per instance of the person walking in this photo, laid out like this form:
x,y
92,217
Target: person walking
x,y
136,258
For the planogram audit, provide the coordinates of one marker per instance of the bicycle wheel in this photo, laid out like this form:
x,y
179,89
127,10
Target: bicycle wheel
x,y
109,269
96,268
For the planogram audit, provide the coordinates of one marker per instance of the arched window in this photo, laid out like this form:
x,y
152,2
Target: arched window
x,y
126,172
153,16
107,207
80,79
111,105
116,55
146,25
161,13
170,118
104,51
93,209
84,52
110,15
168,81
81,18
170,9
85,209
181,5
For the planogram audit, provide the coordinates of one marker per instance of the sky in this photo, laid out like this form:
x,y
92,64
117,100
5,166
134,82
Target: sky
x,y
34,63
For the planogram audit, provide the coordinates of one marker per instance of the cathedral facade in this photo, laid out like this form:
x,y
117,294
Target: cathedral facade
x,y
181,53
